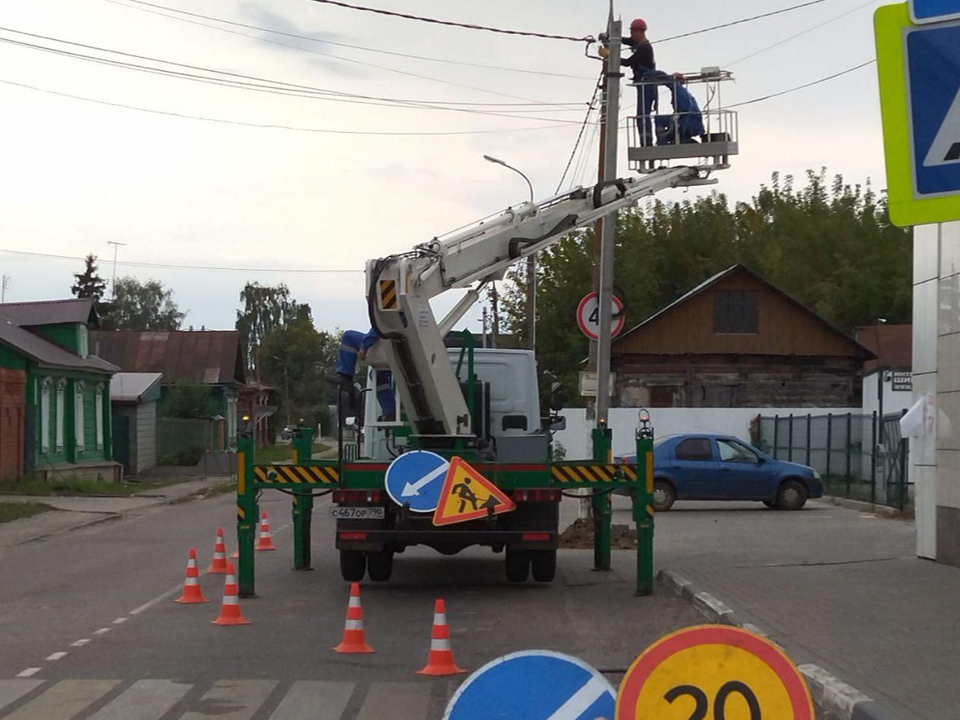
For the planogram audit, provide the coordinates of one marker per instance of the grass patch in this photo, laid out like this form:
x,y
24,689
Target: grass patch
x,y
16,511
283,453
74,486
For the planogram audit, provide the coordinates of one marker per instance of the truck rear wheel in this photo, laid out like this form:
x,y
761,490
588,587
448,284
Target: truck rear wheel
x,y
544,565
518,565
380,565
353,565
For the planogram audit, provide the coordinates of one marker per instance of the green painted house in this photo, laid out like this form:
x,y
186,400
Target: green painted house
x,y
65,412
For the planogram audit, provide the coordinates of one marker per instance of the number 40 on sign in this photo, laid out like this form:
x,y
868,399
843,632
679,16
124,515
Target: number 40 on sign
x,y
588,316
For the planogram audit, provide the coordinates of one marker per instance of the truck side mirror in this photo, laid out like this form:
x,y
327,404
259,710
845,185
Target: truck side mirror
x,y
558,422
556,397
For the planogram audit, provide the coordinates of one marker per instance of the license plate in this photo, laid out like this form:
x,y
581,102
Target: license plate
x,y
358,513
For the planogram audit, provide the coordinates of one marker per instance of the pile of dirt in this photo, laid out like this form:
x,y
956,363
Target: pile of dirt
x,y
579,536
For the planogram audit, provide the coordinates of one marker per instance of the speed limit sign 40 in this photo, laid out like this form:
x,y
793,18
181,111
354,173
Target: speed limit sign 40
x,y
588,316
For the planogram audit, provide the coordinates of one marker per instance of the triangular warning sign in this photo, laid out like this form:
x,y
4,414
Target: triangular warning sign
x,y
468,495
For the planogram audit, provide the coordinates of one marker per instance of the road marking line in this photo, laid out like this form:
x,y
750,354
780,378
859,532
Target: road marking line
x,y
64,700
144,700
160,598
232,700
80,643
57,655
401,700
120,621
13,690
315,700
581,700
102,631
28,672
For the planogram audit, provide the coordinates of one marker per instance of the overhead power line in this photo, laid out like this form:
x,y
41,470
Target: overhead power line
x,y
350,46
737,22
466,26
586,120
802,87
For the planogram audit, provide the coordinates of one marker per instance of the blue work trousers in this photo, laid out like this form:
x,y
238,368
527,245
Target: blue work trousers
x,y
350,347
646,99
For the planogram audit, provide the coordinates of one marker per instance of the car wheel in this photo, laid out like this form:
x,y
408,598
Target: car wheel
x,y
792,496
544,565
770,504
664,496
380,565
353,565
518,565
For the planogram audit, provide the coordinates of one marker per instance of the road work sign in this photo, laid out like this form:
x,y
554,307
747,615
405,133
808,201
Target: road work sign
x,y
714,671
533,685
417,478
927,11
919,67
588,316
468,495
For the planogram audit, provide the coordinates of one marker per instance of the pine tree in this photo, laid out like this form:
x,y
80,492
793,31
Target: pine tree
x,y
88,283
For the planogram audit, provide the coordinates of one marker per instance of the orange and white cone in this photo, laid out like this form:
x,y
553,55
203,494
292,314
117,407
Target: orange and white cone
x,y
192,592
230,613
219,564
441,660
354,639
266,539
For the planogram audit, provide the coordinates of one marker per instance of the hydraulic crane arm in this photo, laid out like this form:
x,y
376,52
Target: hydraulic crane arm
x,y
400,287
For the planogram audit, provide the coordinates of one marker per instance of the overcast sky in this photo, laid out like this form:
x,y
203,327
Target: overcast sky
x,y
76,174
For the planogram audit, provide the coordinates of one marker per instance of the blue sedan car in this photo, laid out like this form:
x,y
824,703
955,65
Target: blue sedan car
x,y
722,467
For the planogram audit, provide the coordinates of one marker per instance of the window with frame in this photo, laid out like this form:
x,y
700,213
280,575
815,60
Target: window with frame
x,y
61,404
695,450
78,426
732,451
99,415
45,401
736,312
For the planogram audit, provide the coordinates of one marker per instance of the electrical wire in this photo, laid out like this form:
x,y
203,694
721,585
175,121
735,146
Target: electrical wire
x,y
466,26
362,48
586,119
738,22
801,87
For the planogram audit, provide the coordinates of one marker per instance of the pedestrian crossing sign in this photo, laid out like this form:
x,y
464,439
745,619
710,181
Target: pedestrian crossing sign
x,y
468,495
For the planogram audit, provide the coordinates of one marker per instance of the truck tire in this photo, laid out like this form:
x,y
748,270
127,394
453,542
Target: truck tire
x,y
518,565
380,565
792,495
353,565
544,565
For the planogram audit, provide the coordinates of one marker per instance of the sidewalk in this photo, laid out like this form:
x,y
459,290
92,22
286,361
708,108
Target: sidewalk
x,y
75,512
835,586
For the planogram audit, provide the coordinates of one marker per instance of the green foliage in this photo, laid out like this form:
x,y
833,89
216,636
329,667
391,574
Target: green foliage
x,y
89,284
17,511
141,306
828,244
265,309
188,401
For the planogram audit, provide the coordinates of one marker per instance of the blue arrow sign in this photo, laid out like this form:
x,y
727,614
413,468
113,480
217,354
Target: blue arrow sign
x,y
534,685
933,77
926,11
417,478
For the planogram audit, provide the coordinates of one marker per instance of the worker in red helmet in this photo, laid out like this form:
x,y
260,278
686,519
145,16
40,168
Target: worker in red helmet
x,y
644,66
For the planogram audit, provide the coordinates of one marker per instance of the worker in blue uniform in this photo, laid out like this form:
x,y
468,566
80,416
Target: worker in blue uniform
x,y
353,347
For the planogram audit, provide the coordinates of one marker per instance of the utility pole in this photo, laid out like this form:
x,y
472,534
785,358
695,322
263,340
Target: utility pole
x,y
611,121
113,282
532,302
3,292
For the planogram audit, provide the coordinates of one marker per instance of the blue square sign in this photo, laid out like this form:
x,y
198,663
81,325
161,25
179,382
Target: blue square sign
x,y
933,92
925,11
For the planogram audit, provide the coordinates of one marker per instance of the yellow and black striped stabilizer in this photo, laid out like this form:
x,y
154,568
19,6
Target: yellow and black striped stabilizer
x,y
583,473
388,295
296,475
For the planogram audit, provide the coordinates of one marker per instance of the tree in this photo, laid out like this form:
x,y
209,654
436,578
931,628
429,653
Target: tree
x,y
265,309
141,306
828,244
89,284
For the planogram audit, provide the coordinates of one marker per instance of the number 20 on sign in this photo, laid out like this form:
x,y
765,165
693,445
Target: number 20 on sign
x,y
713,672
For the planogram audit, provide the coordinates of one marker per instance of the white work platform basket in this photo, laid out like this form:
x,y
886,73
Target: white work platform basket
x,y
686,121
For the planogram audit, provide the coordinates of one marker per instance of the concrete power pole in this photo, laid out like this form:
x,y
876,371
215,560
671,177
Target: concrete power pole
x,y
113,282
611,121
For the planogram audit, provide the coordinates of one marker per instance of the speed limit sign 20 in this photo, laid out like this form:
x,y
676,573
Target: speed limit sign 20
x,y
588,316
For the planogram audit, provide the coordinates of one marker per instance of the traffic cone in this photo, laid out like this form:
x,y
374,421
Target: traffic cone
x,y
230,613
354,639
441,660
219,564
266,539
192,592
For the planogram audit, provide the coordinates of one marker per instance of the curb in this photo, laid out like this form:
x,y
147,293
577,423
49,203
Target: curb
x,y
863,506
833,697
107,517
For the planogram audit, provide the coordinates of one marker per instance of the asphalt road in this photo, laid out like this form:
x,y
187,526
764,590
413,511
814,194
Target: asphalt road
x,y
146,657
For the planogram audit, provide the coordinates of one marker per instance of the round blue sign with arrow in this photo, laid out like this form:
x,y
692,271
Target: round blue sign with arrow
x,y
534,685
416,478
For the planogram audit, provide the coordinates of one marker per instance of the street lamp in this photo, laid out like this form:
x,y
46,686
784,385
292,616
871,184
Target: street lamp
x,y
531,264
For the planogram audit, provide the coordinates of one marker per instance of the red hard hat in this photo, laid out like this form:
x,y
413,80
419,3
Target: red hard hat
x,y
639,24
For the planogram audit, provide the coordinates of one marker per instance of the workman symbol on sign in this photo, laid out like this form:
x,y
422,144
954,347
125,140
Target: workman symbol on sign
x,y
466,495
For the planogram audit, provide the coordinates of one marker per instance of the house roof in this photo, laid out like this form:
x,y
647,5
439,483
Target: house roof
x,y
892,344
45,353
711,281
50,312
204,357
130,387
